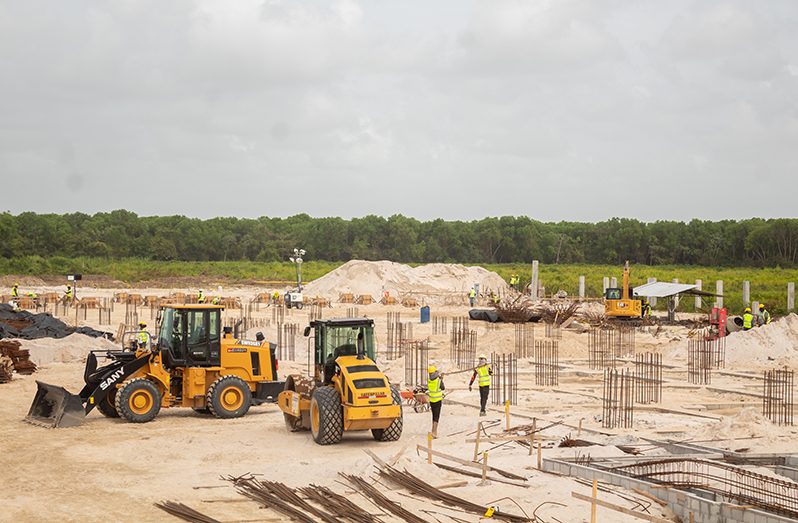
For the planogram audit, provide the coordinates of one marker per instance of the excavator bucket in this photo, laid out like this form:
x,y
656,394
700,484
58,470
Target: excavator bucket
x,y
53,406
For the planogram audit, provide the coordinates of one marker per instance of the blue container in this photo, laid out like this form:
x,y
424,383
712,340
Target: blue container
x,y
425,314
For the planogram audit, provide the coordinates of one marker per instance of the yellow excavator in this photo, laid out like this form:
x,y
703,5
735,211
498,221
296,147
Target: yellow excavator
x,y
619,303
347,391
194,364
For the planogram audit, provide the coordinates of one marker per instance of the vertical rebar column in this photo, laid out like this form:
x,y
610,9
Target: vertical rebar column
x,y
546,362
617,399
699,361
777,396
553,331
648,377
524,339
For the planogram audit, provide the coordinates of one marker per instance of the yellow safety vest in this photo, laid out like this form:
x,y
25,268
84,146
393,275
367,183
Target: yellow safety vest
x,y
143,337
472,293
483,371
434,390
748,320
200,298
14,292
69,293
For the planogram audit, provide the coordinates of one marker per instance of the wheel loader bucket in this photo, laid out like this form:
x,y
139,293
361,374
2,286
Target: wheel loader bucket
x,y
53,406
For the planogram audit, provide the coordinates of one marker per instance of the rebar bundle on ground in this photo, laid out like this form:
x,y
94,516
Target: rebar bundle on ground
x,y
777,396
699,362
617,406
546,361
524,339
416,361
422,488
184,512
648,377
504,382
372,493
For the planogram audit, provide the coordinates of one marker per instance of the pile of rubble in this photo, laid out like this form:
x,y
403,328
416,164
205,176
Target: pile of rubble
x,y
13,358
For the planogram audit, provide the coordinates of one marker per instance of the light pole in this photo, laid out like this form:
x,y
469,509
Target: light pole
x,y
297,259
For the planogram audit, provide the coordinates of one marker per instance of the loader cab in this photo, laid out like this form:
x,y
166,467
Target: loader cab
x,y
190,336
340,337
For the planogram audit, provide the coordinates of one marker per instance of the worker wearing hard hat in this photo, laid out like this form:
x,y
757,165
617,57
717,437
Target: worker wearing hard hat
x,y
201,296
472,296
764,316
435,388
748,319
142,337
483,371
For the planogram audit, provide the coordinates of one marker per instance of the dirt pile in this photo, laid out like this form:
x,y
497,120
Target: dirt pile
x,y
776,343
375,278
29,326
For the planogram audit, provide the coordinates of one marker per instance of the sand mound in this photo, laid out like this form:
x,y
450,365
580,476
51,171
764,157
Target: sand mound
x,y
778,341
73,348
374,278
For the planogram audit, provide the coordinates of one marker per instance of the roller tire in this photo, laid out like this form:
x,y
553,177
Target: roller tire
x,y
394,431
220,406
107,406
327,416
299,305
139,388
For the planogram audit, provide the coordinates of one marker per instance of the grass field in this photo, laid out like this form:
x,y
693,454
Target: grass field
x,y
768,285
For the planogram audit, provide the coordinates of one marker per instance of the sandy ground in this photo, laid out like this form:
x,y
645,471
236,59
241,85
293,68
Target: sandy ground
x,y
115,470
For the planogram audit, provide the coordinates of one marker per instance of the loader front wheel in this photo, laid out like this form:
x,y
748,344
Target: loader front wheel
x,y
229,397
394,431
107,406
138,400
326,416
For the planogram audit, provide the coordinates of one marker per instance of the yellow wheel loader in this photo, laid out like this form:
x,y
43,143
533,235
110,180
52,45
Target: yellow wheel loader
x,y
193,364
347,391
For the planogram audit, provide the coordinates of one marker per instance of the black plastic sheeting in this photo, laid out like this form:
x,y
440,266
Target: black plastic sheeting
x,y
41,326
484,315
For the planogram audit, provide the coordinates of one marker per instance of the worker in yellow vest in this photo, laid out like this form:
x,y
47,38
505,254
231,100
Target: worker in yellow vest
x,y
69,294
764,315
142,337
275,297
435,388
748,319
201,296
472,296
483,371
15,291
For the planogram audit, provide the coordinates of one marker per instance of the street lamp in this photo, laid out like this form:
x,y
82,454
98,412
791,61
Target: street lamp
x,y
297,259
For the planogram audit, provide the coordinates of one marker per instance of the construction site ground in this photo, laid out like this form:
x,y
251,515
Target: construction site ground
x,y
116,471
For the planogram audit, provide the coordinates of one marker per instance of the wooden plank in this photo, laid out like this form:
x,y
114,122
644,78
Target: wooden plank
x,y
618,508
478,475
467,463
651,408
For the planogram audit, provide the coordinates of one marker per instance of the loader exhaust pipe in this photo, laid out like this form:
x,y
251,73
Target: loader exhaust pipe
x,y
54,406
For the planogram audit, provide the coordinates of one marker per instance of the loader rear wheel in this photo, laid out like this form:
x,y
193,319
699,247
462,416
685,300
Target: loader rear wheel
x,y
326,416
107,406
138,400
229,397
394,431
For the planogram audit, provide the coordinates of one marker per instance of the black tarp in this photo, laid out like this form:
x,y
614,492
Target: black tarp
x,y
41,325
484,315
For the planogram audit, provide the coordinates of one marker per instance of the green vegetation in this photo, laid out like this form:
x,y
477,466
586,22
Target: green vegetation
x,y
122,234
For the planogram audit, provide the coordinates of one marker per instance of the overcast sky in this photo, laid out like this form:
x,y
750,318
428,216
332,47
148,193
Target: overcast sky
x,y
558,110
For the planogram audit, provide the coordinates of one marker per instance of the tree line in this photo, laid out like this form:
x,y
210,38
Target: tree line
x,y
508,239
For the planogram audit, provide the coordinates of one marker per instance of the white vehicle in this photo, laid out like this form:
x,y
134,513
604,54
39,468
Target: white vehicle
x,y
294,299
